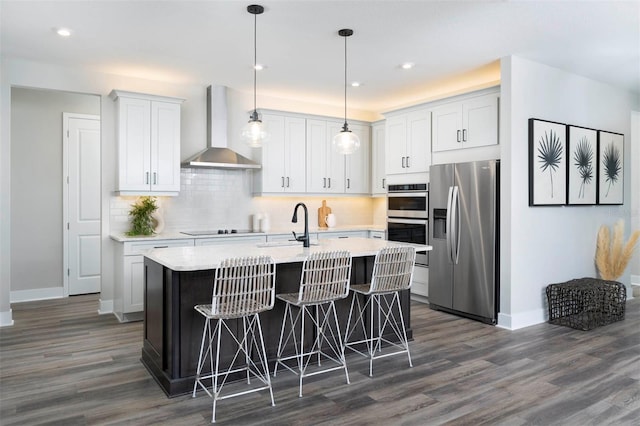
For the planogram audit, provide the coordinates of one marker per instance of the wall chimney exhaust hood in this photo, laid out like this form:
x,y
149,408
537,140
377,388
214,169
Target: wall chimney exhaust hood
x,y
217,155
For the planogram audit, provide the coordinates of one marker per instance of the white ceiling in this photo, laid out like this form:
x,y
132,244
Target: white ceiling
x,y
204,42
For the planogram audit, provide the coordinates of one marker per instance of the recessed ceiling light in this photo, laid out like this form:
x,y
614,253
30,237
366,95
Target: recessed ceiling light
x,y
356,84
407,65
260,67
63,32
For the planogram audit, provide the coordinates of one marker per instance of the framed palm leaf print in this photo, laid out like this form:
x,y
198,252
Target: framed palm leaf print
x,y
582,149
610,168
547,163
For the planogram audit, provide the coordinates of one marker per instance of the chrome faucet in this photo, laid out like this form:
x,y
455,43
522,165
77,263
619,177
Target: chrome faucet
x,y
294,219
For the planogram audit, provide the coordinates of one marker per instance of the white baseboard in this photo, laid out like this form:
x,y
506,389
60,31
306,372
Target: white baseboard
x,y
36,294
521,320
6,318
105,307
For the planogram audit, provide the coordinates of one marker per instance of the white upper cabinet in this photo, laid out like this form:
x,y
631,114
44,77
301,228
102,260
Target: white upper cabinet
x,y
325,167
357,165
283,156
148,131
467,123
378,174
408,142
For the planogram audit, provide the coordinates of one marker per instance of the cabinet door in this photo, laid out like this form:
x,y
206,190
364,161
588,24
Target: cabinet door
x,y
357,164
480,121
447,127
378,175
396,145
165,146
134,149
335,160
316,156
295,154
133,284
273,155
418,141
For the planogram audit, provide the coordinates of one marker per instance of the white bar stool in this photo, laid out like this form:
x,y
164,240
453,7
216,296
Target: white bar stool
x,y
325,278
242,288
392,273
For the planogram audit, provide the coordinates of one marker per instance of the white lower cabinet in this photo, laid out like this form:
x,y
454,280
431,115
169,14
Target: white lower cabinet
x,y
231,240
128,304
420,285
343,234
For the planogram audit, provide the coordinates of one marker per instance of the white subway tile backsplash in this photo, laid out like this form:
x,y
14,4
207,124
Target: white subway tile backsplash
x,y
220,198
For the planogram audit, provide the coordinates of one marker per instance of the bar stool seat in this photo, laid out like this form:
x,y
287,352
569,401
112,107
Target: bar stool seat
x,y
392,273
242,288
324,279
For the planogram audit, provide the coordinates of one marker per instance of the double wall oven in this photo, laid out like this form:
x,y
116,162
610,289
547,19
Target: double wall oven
x,y
408,216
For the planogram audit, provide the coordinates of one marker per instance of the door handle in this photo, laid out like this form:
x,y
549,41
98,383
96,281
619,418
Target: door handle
x,y
458,135
282,183
464,135
408,163
455,238
348,183
403,166
383,182
155,178
287,181
329,182
324,182
448,224
147,180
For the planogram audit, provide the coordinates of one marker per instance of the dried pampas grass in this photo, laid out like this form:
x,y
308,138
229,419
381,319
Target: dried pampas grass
x,y
612,256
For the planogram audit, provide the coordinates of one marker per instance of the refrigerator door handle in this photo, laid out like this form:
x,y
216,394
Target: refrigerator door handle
x,y
456,225
448,224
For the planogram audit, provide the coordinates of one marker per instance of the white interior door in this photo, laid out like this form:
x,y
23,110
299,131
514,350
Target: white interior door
x,y
82,202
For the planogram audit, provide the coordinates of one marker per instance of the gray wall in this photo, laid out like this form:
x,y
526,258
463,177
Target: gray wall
x,y
37,183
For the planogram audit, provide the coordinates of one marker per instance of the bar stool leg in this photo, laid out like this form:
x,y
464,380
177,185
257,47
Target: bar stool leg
x,y
339,341
300,353
404,331
265,362
216,391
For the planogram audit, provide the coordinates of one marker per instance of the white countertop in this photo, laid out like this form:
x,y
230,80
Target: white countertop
x,y
209,257
174,235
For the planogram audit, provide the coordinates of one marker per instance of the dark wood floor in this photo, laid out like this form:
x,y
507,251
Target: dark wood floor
x,y
61,363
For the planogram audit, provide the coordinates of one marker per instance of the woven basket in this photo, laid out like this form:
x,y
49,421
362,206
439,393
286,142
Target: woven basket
x,y
586,303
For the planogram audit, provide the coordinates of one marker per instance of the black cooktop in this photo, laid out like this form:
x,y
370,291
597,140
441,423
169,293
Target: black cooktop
x,y
216,232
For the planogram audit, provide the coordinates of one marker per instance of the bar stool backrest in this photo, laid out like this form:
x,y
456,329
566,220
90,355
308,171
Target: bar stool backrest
x,y
325,277
243,286
393,269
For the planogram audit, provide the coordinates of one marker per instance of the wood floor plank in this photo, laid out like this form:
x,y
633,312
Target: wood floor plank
x,y
63,364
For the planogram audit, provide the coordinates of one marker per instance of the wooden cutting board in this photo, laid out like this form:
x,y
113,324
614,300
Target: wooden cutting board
x,y
322,213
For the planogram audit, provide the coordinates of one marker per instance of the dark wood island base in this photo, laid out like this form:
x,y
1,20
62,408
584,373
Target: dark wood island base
x,y
173,329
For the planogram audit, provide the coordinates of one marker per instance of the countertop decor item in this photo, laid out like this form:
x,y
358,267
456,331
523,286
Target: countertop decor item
x,y
323,212
141,216
612,256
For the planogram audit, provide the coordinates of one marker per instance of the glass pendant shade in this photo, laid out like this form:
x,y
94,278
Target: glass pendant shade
x,y
255,132
346,142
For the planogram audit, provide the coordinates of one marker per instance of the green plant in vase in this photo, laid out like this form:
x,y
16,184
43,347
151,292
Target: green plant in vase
x,y
141,216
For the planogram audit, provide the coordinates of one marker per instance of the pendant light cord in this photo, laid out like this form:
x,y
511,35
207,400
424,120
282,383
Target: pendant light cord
x,y
255,59
345,83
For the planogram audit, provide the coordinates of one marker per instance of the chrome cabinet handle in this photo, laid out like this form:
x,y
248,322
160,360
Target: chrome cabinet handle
x,y
408,163
464,135
329,182
282,183
458,135
383,182
155,178
287,181
403,166
324,182
348,183
147,181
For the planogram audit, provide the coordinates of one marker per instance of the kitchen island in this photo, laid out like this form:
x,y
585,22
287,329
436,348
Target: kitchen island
x,y
178,278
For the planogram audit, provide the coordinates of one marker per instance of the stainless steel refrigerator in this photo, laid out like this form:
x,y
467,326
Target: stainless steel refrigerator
x,y
463,230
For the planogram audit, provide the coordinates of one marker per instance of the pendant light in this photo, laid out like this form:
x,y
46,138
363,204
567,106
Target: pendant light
x,y
255,132
346,142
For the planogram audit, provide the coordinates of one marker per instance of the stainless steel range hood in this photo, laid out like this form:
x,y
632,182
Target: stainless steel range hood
x,y
217,155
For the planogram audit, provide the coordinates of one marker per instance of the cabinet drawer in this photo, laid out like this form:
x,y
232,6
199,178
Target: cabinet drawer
x,y
140,247
343,234
230,240
420,283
